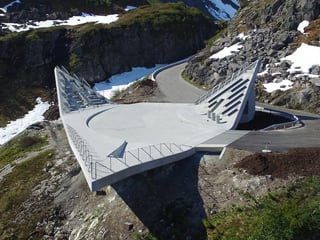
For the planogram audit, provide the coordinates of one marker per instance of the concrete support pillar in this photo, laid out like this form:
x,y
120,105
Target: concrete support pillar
x,y
213,116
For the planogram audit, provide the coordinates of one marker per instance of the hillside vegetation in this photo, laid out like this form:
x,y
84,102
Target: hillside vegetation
x,y
287,215
76,6
151,34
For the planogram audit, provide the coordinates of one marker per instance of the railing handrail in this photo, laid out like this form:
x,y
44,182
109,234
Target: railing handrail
x,y
156,72
292,117
147,151
82,148
225,82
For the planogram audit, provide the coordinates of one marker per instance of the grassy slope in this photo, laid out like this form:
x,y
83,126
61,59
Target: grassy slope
x,y
292,214
95,6
19,147
16,187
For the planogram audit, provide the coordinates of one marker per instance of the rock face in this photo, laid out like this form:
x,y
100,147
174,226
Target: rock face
x,y
117,50
271,34
96,52
29,57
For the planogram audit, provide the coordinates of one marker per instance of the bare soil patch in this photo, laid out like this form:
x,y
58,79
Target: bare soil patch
x,y
297,161
142,91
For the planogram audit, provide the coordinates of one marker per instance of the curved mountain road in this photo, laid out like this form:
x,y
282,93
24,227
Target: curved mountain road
x,y
175,89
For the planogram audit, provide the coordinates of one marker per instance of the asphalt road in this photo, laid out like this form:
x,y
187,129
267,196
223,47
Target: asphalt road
x,y
174,88
305,134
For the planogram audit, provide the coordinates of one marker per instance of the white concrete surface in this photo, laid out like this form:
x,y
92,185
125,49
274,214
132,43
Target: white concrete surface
x,y
143,135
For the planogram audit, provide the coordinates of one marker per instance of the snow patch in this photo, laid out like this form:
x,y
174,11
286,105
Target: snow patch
x,y
303,58
227,51
302,26
13,128
242,36
72,21
283,85
122,81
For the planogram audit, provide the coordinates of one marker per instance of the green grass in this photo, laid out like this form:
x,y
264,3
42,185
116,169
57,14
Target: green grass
x,y
95,6
174,16
74,60
15,188
18,147
210,42
185,77
293,214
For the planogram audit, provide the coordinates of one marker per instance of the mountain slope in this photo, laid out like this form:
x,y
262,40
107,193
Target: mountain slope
x,y
152,34
269,33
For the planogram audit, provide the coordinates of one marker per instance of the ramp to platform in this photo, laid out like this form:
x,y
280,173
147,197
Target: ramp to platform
x,y
217,143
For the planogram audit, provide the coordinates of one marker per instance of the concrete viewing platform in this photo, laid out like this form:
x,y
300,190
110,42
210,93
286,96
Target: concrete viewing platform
x,y
115,141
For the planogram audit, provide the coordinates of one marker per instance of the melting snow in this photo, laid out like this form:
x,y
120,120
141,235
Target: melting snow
x,y
75,20
304,58
15,127
283,85
242,36
122,81
227,51
302,26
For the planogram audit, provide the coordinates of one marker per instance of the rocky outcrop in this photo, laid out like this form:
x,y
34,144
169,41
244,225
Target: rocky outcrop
x,y
96,52
271,34
117,50
260,44
28,58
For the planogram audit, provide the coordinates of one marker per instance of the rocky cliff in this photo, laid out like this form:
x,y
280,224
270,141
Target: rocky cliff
x,y
159,33
271,33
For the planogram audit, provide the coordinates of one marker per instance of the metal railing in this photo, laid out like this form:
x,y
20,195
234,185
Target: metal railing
x,y
130,157
222,84
156,72
294,119
77,88
141,155
83,149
